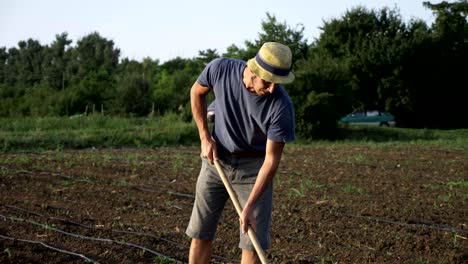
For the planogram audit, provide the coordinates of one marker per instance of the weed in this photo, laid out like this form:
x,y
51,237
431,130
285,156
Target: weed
x,y
310,184
67,183
360,158
24,160
304,187
278,179
7,252
154,213
445,198
422,260
458,184
123,183
455,240
432,187
3,171
449,185
132,159
293,192
178,162
163,260
349,188
328,260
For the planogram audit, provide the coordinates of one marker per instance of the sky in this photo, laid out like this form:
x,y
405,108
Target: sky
x,y
165,30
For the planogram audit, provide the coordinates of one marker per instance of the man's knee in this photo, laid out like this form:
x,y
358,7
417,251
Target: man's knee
x,y
201,243
200,251
249,257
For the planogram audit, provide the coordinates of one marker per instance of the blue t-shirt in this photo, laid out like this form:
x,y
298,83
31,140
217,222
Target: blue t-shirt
x,y
245,120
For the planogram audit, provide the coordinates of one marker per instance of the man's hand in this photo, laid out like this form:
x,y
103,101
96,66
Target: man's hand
x,y
208,150
247,219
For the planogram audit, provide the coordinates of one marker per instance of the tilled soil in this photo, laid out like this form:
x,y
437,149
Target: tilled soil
x,y
332,204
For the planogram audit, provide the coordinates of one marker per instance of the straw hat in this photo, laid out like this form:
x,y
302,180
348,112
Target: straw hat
x,y
273,63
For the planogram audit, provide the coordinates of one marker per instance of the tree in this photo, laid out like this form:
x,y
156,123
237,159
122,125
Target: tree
x,y
94,53
321,94
133,95
272,30
445,89
171,90
56,60
205,56
94,62
3,61
28,63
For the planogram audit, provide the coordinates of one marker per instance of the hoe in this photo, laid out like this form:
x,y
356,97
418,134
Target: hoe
x,y
235,201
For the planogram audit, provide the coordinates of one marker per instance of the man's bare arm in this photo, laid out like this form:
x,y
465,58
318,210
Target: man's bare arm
x,y
198,104
274,150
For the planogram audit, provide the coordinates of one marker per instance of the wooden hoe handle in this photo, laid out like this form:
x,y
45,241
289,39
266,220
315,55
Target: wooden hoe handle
x,y
235,201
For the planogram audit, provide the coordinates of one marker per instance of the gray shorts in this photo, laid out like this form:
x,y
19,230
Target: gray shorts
x,y
211,197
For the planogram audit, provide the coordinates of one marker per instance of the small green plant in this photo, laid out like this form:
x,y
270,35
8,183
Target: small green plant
x,y
154,213
445,198
293,192
178,162
455,239
360,158
349,188
123,183
279,183
67,183
328,260
304,187
458,184
422,260
432,187
311,184
163,260
7,252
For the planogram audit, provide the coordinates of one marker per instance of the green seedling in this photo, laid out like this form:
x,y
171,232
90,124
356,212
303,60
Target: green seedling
x,y
177,162
458,184
163,260
360,158
278,179
7,252
154,213
445,198
293,192
348,188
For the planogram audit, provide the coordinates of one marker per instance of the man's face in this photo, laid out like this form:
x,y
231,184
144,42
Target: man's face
x,y
261,87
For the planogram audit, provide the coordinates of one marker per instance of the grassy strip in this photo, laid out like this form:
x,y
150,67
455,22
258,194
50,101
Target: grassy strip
x,y
169,130
456,139
95,131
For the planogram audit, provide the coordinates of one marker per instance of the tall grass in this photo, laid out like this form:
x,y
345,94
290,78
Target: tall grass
x,y
95,131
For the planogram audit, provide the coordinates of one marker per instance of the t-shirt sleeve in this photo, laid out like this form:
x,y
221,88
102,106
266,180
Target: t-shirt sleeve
x,y
282,127
210,74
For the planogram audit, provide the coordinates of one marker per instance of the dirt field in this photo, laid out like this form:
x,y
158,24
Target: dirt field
x,y
342,204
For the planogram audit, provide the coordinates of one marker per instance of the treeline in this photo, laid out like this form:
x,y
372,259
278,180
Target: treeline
x,y
366,59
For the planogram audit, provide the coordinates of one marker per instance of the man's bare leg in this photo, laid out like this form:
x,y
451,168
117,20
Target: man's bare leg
x,y
249,257
200,251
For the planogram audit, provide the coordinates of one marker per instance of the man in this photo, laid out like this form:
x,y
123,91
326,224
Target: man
x,y
254,120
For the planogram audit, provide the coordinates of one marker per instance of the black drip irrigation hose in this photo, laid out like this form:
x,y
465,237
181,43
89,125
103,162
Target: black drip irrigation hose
x,y
93,238
49,246
111,230
412,224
